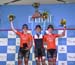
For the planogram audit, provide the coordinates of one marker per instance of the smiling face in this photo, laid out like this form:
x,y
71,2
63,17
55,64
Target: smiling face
x,y
38,29
24,28
50,30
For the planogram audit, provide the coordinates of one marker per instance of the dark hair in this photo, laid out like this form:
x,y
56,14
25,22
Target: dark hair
x,y
24,26
50,26
38,26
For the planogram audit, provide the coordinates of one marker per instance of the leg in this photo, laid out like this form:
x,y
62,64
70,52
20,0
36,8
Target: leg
x,y
43,60
20,57
37,61
54,57
50,56
54,61
43,57
50,61
19,62
26,61
26,57
37,57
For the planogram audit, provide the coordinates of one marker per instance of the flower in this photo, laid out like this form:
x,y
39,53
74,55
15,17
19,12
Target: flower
x,y
11,17
45,15
63,22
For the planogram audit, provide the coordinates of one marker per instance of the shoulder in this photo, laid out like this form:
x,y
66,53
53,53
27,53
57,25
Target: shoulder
x,y
29,34
18,32
45,35
56,35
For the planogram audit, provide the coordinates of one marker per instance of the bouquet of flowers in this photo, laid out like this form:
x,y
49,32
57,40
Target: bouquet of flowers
x,y
11,17
45,15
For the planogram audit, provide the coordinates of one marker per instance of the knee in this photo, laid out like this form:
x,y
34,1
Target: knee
x,y
26,60
54,59
50,59
43,59
19,62
37,59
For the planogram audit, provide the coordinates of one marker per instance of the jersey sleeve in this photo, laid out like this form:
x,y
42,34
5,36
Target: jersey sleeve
x,y
56,35
18,33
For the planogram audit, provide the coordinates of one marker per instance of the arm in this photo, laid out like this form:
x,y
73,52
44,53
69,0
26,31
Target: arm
x,y
44,39
63,33
30,42
12,27
44,42
29,46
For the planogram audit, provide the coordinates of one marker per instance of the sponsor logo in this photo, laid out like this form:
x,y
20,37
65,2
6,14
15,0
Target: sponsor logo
x,y
70,41
11,34
3,57
10,63
71,56
11,49
62,49
3,41
17,41
39,20
62,63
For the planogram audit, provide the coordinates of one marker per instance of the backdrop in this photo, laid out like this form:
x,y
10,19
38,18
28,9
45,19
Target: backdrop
x,y
9,41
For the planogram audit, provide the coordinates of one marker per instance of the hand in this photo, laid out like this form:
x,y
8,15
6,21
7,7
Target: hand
x,y
27,48
64,26
11,21
45,48
11,17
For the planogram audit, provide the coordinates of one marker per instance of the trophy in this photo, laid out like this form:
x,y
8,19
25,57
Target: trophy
x,y
11,17
36,6
63,23
37,14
